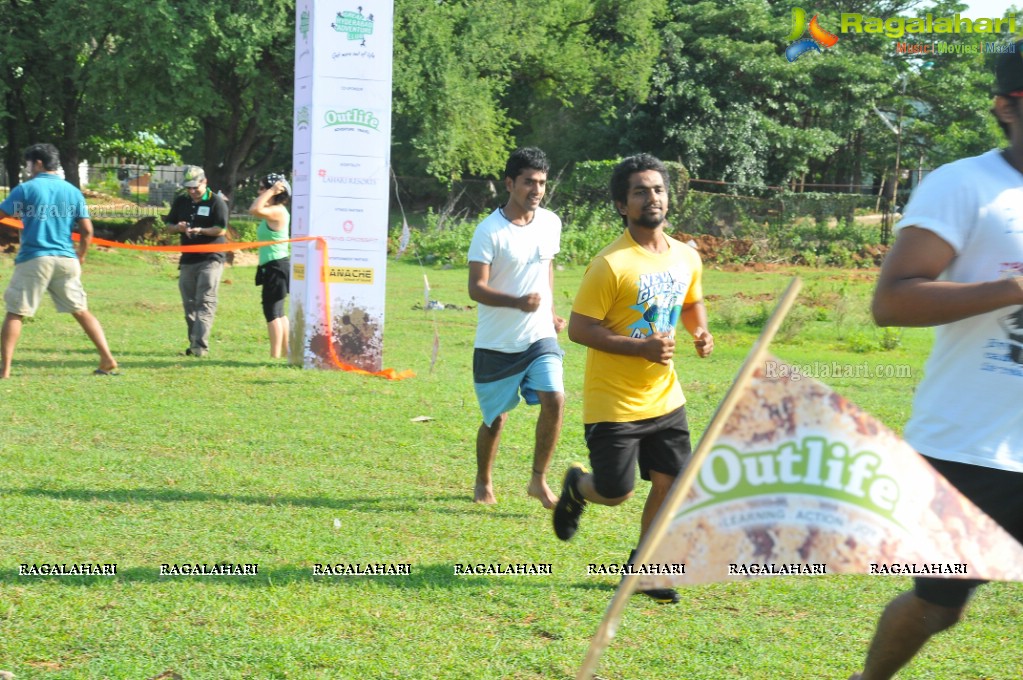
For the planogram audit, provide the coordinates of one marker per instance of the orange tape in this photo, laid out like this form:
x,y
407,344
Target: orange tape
x,y
388,373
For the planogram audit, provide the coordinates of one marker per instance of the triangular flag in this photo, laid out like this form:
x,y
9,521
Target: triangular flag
x,y
802,481
436,348
406,236
790,473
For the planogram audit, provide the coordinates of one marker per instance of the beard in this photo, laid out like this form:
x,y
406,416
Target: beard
x,y
649,221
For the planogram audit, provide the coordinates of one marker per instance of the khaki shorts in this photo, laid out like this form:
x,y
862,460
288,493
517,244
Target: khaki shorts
x,y
61,276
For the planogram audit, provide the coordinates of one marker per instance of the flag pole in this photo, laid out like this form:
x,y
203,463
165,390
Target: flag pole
x,y
679,490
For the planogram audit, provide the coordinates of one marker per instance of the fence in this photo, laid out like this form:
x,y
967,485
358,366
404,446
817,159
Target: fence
x,y
146,191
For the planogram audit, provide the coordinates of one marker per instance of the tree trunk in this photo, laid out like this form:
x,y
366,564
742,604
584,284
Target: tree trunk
x,y
15,143
68,146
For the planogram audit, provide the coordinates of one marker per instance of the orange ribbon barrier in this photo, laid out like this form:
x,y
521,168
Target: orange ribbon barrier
x,y
321,242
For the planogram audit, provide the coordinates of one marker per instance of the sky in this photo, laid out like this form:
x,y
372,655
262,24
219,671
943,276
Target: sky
x,y
988,8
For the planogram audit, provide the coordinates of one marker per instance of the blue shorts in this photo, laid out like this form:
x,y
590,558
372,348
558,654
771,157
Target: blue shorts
x,y
543,374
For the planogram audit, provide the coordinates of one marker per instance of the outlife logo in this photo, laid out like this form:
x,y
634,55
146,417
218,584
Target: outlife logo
x,y
819,38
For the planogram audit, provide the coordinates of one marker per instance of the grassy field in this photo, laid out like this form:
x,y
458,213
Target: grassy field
x,y
239,459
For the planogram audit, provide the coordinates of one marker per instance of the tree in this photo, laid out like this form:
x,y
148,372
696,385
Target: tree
x,y
67,69
237,64
473,79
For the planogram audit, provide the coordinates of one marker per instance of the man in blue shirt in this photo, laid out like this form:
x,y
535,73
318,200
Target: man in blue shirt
x,y
51,209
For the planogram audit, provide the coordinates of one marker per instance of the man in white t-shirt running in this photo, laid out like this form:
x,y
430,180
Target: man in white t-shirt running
x,y
511,276
957,265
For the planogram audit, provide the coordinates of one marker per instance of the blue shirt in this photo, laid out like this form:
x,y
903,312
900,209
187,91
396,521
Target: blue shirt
x,y
49,207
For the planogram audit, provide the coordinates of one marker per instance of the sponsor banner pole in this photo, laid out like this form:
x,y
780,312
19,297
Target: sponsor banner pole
x,y
343,64
609,625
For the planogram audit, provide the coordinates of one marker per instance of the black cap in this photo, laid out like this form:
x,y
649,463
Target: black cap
x,y
1009,72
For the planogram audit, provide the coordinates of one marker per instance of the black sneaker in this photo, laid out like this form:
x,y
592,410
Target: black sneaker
x,y
661,595
658,595
570,504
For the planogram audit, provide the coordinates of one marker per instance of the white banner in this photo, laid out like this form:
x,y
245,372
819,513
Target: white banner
x,y
341,165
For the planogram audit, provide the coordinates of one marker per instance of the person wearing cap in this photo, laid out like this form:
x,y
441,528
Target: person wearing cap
x,y
956,265
200,216
274,268
48,260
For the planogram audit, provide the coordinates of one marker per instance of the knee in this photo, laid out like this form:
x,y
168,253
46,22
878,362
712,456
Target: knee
x,y
495,427
552,401
613,490
938,618
617,501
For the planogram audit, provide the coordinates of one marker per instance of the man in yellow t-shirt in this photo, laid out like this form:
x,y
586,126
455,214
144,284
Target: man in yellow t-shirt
x,y
631,298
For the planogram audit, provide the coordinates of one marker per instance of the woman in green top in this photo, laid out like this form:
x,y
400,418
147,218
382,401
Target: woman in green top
x,y
274,268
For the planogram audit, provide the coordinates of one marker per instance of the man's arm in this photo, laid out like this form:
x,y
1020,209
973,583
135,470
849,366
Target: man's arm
x,y
221,216
909,294
656,348
84,228
481,292
174,224
694,318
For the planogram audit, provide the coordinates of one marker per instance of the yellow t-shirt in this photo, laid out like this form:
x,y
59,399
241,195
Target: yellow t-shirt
x,y
635,292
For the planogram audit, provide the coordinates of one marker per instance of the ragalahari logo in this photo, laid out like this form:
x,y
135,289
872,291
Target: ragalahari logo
x,y
818,36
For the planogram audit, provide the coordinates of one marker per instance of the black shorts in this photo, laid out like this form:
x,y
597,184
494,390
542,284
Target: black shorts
x,y
660,444
274,276
999,493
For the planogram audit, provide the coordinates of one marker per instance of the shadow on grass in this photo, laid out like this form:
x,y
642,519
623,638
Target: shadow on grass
x,y
381,504
180,362
420,577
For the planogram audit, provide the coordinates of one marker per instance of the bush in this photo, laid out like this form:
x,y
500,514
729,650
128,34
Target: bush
x,y
244,227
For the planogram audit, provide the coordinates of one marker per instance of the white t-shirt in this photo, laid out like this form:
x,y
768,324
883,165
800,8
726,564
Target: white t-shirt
x,y
969,406
520,262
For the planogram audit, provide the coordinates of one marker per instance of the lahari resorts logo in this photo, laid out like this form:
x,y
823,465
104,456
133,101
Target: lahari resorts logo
x,y
818,38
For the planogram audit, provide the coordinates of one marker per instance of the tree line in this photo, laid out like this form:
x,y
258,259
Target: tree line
x,y
703,83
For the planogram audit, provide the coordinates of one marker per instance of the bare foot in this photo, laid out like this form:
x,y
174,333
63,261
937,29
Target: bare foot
x,y
538,489
484,494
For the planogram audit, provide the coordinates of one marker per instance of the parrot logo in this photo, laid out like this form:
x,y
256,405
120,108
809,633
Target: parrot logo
x,y
818,36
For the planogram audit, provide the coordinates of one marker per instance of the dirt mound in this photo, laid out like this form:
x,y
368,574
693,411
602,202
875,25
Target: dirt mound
x,y
737,254
718,250
9,239
871,256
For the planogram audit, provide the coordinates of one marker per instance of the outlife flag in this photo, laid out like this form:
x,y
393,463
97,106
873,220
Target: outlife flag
x,y
802,481
789,479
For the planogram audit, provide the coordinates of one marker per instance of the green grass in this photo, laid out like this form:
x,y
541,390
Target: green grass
x,y
238,458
